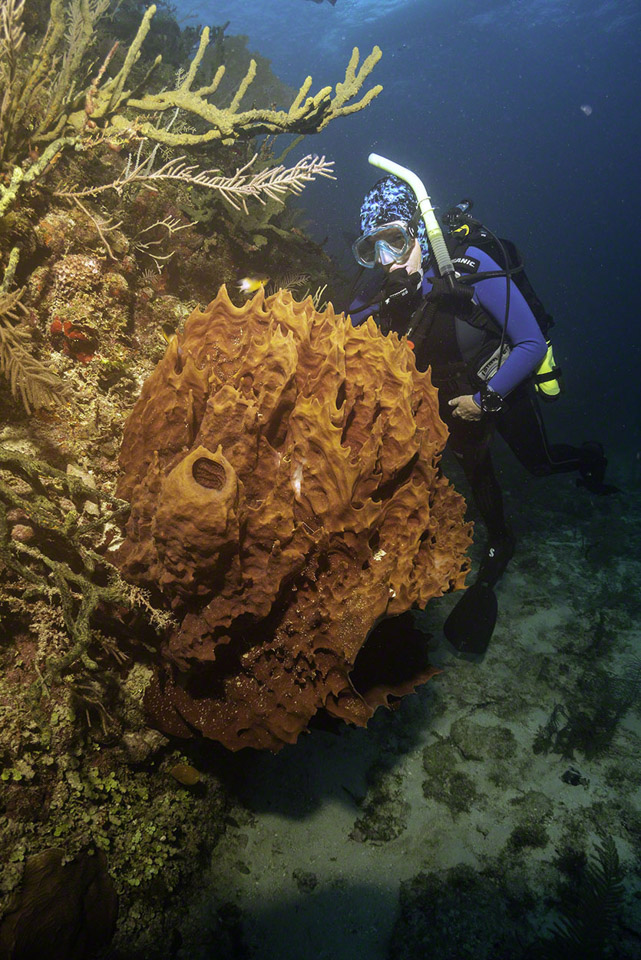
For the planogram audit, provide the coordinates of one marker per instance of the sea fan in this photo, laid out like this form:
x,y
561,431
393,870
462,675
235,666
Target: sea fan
x,y
30,379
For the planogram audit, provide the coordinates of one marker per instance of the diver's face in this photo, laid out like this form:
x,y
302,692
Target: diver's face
x,y
411,264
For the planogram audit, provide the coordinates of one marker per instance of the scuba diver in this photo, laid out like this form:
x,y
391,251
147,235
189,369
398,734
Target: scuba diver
x,y
468,310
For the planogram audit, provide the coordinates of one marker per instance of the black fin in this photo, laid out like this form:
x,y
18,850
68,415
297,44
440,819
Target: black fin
x,y
471,623
601,489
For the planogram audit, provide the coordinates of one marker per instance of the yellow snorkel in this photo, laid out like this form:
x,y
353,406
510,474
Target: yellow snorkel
x,y
434,232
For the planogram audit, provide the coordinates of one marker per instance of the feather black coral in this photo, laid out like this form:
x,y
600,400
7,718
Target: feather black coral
x,y
590,913
30,379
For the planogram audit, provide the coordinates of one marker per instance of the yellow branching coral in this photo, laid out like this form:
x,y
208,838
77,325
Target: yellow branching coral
x,y
108,109
305,115
105,102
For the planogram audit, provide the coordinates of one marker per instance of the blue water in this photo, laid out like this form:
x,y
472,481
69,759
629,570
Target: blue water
x,y
484,99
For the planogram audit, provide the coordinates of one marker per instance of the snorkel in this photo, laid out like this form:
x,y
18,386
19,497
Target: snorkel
x,y
434,232
435,236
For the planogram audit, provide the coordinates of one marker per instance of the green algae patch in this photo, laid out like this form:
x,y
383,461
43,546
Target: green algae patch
x,y
385,811
70,784
446,783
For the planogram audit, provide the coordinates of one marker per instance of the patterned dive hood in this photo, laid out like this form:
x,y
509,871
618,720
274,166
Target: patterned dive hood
x,y
392,199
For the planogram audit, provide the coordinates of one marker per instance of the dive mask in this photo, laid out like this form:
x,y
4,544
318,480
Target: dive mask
x,y
387,243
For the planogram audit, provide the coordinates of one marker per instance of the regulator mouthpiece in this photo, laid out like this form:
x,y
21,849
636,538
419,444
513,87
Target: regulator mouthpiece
x,y
457,213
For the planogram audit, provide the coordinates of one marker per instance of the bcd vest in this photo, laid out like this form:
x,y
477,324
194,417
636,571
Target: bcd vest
x,y
547,377
463,347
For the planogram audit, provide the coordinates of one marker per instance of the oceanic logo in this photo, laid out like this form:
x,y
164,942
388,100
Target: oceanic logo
x,y
468,262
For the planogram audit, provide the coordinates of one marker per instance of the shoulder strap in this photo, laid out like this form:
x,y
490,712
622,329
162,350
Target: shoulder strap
x,y
474,235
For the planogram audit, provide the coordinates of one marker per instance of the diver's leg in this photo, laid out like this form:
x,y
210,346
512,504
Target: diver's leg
x,y
471,445
521,426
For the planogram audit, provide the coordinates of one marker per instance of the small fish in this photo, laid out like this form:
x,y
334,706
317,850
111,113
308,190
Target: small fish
x,y
167,332
252,284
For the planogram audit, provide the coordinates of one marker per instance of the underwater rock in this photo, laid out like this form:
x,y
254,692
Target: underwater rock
x,y
305,880
385,810
82,306
186,774
141,745
22,532
65,911
53,230
286,494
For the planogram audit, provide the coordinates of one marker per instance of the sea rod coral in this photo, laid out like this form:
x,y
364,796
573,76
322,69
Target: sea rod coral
x,y
286,494
36,129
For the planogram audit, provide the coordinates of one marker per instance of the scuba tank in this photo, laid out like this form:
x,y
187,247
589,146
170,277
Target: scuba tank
x,y
547,377
466,231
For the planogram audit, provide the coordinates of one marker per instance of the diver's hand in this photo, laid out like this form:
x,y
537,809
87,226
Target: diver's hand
x,y
465,408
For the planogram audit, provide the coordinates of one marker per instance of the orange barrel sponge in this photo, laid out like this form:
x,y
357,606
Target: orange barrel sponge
x,y
283,469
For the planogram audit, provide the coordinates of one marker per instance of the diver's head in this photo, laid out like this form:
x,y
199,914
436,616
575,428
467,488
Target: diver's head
x,y
393,231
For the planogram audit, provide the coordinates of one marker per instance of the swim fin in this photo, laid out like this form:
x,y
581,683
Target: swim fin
x,y
471,622
601,489
592,466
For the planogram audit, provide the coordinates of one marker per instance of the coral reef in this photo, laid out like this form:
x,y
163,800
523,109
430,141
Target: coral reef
x,y
590,909
283,471
465,914
31,380
588,725
71,132
100,263
50,524
112,106
385,810
67,784
456,914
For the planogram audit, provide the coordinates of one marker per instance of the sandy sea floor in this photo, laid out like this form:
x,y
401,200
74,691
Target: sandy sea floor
x,y
451,827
